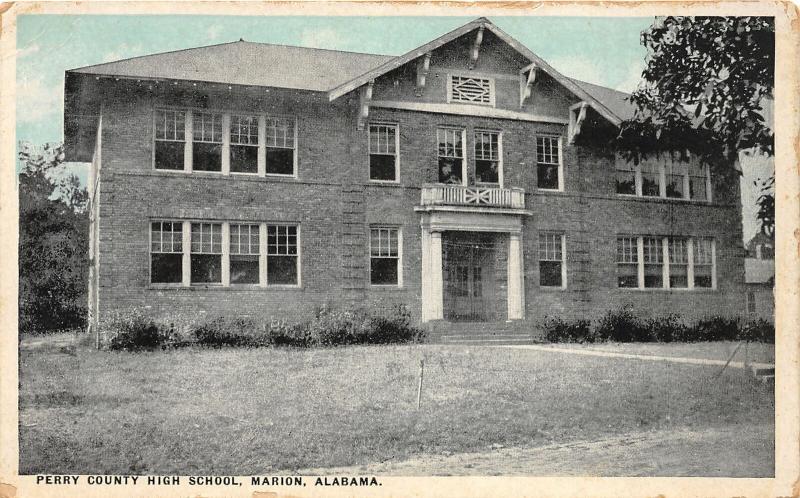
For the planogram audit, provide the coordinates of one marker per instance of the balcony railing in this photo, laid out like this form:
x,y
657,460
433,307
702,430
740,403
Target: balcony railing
x,y
458,195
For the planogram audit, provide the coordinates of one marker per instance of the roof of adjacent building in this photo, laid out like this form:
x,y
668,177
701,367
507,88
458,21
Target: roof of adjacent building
x,y
759,271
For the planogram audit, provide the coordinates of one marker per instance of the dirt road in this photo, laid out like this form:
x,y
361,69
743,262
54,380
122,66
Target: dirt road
x,y
734,451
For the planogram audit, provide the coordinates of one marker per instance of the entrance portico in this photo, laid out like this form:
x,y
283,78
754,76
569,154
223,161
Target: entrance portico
x,y
492,213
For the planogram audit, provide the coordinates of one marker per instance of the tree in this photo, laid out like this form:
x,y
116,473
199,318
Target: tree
x,y
703,89
53,242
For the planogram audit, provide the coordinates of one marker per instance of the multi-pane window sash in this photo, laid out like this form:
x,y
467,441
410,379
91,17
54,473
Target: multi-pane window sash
x,y
282,255
244,254
551,259
170,138
665,262
471,90
166,252
665,177
206,141
206,253
384,251
548,158
451,155
244,144
280,143
383,152
487,156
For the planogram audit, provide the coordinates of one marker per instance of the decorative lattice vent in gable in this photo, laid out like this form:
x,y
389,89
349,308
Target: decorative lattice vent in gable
x,y
471,90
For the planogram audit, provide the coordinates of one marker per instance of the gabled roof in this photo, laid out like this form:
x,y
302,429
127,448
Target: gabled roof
x,y
247,63
411,55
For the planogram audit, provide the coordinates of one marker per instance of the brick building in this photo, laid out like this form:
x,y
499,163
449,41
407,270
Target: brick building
x,y
466,179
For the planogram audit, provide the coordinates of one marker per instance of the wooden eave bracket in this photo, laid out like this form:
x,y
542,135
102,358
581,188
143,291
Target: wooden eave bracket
x,y
423,68
527,77
364,99
475,51
577,114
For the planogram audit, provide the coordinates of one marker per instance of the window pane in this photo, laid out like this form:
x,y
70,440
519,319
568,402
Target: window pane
x,y
169,155
702,276
244,130
382,139
651,179
626,182
382,167
675,186
244,269
653,276
280,161
383,271
207,127
282,270
627,275
244,159
550,273
547,176
450,170
170,125
547,150
486,171
206,268
678,276
280,132
697,188
166,268
206,156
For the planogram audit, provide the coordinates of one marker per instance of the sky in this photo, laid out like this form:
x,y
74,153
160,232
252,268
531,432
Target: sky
x,y
605,51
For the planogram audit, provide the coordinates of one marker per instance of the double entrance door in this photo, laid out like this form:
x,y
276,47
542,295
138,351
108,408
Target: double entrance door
x,y
469,278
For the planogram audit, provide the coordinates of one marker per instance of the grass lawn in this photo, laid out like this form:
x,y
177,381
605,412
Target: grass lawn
x,y
756,352
254,411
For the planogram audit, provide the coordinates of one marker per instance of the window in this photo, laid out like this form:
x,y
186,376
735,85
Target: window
x,y
675,174
282,255
383,152
170,139
703,263
625,177
751,303
470,90
451,155
206,253
206,141
280,138
641,262
651,178
551,260
244,254
384,256
487,157
548,163
166,252
678,263
627,262
699,179
244,144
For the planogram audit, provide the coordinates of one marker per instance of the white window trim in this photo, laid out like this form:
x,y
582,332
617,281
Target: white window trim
x,y
560,163
665,284
492,88
662,174
563,239
396,127
225,154
500,175
186,242
465,152
399,284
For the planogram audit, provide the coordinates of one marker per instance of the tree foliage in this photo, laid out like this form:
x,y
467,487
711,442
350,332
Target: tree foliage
x,y
53,242
702,93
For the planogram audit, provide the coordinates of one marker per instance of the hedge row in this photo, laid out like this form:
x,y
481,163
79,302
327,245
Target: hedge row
x,y
622,325
133,330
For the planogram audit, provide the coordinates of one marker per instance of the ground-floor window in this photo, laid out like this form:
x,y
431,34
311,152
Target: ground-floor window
x,y
647,262
751,303
552,270
384,256
224,253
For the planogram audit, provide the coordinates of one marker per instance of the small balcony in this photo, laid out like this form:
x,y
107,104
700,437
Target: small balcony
x,y
458,195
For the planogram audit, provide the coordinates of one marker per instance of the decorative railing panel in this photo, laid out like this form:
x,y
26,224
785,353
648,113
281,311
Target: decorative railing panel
x,y
458,195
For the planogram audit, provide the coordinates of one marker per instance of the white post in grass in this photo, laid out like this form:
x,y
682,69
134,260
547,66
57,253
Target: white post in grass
x,y
419,387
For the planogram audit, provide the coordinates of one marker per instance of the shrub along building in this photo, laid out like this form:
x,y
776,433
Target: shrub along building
x,y
467,180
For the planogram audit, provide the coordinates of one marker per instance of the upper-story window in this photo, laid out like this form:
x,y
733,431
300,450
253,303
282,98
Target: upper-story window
x,y
280,138
470,90
488,160
206,141
383,152
665,178
549,170
244,144
170,139
452,163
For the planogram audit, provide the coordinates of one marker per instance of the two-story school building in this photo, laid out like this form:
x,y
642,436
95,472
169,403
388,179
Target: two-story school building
x,y
466,179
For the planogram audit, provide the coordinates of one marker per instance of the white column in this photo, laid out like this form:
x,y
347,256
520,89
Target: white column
x,y
432,281
262,255
226,254
425,281
516,287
